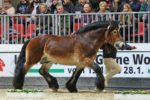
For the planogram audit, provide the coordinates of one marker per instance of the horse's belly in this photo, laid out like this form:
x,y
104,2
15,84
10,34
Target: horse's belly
x,y
73,59
63,60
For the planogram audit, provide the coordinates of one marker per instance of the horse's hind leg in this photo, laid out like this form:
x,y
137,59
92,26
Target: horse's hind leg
x,y
52,82
18,81
71,84
100,78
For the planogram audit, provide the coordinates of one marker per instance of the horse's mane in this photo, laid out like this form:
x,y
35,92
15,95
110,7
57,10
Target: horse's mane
x,y
92,26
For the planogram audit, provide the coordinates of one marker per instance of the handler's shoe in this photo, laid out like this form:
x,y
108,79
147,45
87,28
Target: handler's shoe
x,y
98,91
106,83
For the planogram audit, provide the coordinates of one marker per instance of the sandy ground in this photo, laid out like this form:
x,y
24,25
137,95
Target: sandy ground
x,y
60,95
64,95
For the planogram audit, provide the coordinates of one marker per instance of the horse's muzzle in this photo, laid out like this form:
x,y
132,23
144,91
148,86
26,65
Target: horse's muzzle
x,y
119,45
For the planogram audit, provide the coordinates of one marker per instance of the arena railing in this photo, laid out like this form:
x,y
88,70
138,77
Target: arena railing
x,y
15,29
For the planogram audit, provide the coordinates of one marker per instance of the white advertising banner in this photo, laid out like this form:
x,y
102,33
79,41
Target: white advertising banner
x,y
135,63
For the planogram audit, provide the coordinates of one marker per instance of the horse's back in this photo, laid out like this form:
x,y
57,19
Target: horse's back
x,y
60,48
60,45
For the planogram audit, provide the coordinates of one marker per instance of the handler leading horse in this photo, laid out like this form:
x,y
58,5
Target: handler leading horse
x,y
78,49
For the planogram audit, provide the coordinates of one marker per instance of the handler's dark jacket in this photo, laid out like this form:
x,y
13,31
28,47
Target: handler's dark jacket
x,y
109,51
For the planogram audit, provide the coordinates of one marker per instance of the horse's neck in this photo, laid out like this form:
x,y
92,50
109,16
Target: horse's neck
x,y
94,39
98,37
100,41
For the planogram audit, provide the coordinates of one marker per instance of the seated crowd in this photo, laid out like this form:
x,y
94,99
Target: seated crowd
x,y
44,23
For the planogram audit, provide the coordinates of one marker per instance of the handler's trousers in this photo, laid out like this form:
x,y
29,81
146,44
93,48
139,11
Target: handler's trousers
x,y
112,68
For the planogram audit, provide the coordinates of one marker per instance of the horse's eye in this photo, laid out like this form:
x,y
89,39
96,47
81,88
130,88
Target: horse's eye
x,y
115,32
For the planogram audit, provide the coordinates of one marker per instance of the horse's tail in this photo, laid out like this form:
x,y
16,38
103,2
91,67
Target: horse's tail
x,y
19,71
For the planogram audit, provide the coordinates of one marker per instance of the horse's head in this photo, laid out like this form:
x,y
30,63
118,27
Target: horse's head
x,y
112,35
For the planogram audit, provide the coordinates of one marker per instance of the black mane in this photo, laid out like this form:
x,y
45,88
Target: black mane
x,y
92,26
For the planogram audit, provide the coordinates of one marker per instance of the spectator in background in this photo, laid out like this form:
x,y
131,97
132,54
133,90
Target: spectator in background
x,y
126,20
87,18
53,6
146,19
68,6
33,8
125,1
30,1
84,19
103,9
78,5
116,6
49,3
43,1
7,8
147,9
62,20
142,8
77,8
43,23
22,7
81,4
95,4
135,5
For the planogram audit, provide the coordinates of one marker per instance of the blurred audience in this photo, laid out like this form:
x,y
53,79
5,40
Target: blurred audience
x,y
95,4
135,5
116,6
62,20
33,9
68,6
7,8
53,6
147,9
82,10
87,18
101,13
22,7
43,23
126,21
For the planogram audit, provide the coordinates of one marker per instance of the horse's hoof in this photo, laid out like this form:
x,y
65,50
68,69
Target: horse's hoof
x,y
100,84
71,88
98,90
54,85
18,86
55,89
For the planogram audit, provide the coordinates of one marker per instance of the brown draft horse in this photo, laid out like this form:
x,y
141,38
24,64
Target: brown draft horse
x,y
79,48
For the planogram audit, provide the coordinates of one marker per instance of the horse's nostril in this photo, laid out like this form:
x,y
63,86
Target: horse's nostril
x,y
122,48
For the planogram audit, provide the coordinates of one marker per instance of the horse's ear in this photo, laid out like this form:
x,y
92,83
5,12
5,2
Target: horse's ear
x,y
119,22
110,18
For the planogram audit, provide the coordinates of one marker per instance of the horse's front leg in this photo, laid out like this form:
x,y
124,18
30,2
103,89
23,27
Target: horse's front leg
x,y
99,77
71,83
52,82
